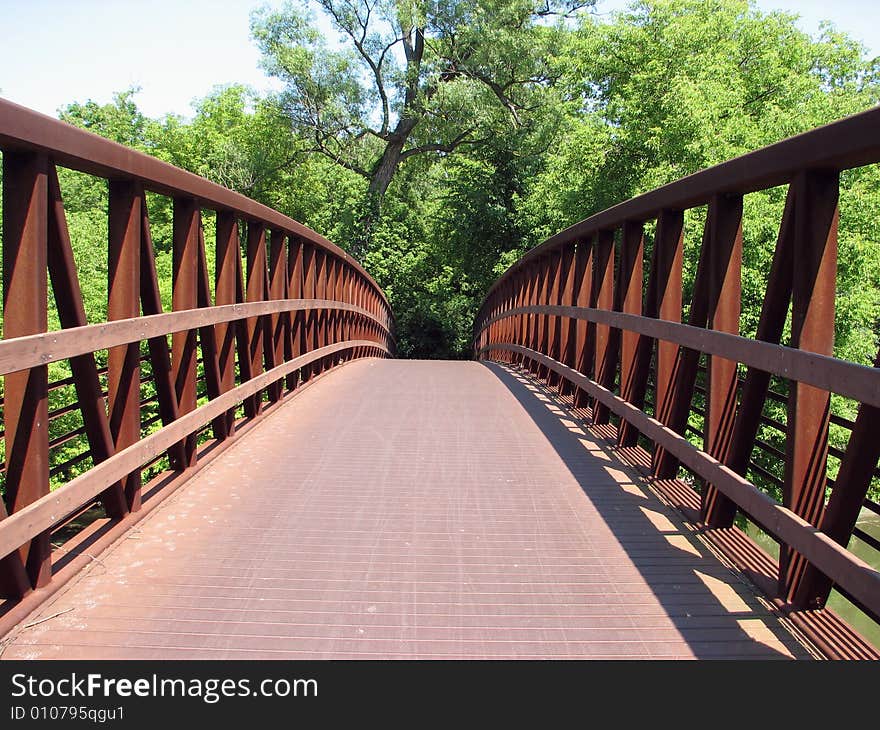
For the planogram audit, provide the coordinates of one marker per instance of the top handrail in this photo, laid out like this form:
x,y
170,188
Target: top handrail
x,y
24,129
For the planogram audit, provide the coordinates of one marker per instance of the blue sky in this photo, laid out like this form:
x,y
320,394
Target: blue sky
x,y
57,51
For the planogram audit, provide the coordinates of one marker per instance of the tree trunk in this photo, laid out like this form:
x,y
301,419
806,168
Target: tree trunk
x,y
380,178
385,169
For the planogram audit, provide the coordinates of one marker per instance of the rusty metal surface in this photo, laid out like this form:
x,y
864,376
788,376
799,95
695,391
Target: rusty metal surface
x,y
123,295
29,351
402,509
25,407
242,348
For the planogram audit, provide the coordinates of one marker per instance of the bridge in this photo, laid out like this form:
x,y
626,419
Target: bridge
x,y
243,469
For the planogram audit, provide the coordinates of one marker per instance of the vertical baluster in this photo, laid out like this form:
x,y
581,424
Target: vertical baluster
x,y
25,408
72,313
208,339
812,329
332,314
722,511
716,296
226,265
603,298
554,337
544,284
256,280
185,296
725,293
847,497
583,265
160,357
321,314
278,290
669,248
355,317
567,299
123,302
629,297
309,331
535,320
297,319
342,295
522,320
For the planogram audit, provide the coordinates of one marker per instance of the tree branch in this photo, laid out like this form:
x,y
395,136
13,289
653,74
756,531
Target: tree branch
x,y
441,147
376,68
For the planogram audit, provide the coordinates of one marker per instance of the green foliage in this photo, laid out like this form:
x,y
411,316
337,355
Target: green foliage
x,y
409,79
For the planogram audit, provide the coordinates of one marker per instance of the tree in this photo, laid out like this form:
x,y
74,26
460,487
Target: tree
x,y
409,77
668,87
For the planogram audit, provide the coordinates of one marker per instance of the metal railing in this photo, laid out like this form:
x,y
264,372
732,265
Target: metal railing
x,y
294,308
577,312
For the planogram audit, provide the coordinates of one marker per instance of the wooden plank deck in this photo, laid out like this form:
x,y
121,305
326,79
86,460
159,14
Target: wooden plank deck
x,y
409,509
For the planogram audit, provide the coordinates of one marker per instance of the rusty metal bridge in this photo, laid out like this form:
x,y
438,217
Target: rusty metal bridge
x,y
235,465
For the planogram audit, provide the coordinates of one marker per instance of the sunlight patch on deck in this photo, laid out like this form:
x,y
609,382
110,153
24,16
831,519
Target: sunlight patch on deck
x,y
660,521
758,630
726,596
682,543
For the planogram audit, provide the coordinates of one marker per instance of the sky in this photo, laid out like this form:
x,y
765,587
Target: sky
x,y
55,52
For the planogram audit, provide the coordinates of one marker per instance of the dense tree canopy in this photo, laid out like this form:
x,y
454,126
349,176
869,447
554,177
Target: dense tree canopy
x,y
409,78
439,139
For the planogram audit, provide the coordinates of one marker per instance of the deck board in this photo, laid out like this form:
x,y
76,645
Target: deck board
x,y
410,509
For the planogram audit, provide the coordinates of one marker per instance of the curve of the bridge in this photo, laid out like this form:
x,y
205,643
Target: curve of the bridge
x,y
411,509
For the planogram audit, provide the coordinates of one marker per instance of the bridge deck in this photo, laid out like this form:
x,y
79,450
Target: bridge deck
x,y
415,510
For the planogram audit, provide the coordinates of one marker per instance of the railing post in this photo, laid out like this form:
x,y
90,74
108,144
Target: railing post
x,y
123,302
356,319
812,328
185,296
25,407
603,298
225,267
208,338
295,291
554,338
567,299
629,301
343,295
279,323
321,319
530,321
583,277
716,297
311,316
256,281
668,250
542,273
333,292
725,294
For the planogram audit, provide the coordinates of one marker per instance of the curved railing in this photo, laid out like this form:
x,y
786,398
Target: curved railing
x,y
575,312
296,308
